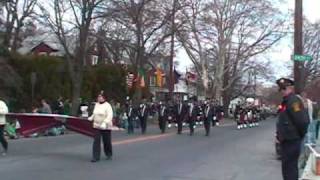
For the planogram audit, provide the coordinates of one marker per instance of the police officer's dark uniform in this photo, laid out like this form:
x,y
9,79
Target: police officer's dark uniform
x,y
291,129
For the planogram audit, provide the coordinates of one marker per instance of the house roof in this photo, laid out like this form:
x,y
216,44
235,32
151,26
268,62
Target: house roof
x,y
49,39
48,46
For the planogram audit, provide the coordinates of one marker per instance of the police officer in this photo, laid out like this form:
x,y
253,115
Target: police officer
x,y
291,128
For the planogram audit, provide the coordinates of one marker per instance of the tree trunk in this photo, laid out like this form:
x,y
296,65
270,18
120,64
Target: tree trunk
x,y
205,79
139,60
16,39
76,92
221,65
226,102
8,36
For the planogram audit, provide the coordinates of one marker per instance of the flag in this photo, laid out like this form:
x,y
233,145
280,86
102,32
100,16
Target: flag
x,y
176,75
159,77
142,76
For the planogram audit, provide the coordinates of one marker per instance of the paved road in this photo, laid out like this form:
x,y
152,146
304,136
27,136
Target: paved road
x,y
228,154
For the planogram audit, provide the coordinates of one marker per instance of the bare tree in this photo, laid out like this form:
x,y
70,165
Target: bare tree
x,y
149,24
114,42
226,35
191,36
16,13
311,47
72,22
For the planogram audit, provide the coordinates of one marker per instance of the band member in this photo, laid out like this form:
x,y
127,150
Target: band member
x,y
180,112
102,122
220,114
200,109
250,114
131,116
208,115
243,118
192,116
163,115
214,112
237,116
256,115
170,114
3,111
143,116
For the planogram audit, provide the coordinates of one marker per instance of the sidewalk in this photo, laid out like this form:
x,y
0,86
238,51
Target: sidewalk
x,y
308,173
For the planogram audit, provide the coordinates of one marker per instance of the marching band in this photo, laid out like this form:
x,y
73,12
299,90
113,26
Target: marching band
x,y
191,113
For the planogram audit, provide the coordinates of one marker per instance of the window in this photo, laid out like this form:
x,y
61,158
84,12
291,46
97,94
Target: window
x,y
94,60
153,80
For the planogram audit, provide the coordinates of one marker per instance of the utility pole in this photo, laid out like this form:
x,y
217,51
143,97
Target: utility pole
x,y
171,79
298,47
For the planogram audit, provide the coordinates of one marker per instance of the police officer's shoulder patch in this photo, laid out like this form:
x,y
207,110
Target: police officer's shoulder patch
x,y
296,106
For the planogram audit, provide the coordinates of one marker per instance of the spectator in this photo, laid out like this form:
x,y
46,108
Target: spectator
x,y
308,104
102,122
58,106
46,109
3,111
66,107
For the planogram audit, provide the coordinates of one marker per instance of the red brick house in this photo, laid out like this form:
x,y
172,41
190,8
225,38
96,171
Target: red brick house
x,y
43,49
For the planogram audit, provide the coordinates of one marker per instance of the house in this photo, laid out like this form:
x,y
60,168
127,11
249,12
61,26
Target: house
x,y
183,89
43,49
49,45
42,44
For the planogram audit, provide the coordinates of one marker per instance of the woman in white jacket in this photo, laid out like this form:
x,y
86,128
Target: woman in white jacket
x,y
102,121
3,111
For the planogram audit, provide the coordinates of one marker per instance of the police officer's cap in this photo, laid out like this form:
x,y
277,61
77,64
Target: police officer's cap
x,y
284,82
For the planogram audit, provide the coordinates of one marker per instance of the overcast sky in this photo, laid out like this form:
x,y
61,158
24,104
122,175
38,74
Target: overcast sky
x,y
280,55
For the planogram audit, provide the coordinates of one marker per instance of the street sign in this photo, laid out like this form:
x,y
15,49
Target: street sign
x,y
297,57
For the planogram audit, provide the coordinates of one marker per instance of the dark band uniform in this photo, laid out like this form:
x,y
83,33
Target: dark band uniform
x,y
192,116
181,111
208,116
130,111
163,115
143,116
291,129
